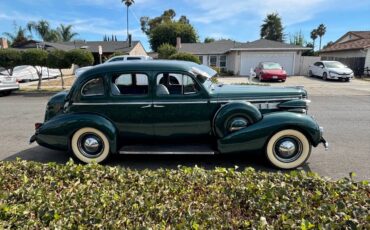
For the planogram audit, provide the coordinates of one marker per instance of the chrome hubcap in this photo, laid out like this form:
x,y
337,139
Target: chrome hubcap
x,y
90,145
288,149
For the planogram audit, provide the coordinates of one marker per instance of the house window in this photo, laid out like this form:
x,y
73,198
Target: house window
x,y
223,63
200,59
213,61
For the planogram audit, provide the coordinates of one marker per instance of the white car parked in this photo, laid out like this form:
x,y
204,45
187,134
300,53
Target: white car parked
x,y
331,70
79,71
7,84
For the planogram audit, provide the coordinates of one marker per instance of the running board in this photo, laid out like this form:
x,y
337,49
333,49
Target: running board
x,y
167,150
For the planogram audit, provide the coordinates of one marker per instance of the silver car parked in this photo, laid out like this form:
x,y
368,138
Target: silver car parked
x,y
331,70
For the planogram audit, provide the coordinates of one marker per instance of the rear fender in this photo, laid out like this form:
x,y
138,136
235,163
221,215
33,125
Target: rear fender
x,y
255,137
58,131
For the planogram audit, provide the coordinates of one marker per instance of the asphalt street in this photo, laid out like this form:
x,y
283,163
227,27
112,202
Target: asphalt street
x,y
344,115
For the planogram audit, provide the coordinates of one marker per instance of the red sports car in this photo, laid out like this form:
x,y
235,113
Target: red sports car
x,y
270,71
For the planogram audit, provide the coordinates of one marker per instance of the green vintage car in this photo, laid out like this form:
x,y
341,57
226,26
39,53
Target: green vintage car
x,y
173,107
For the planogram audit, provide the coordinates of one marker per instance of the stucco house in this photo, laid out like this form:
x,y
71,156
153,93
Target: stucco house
x,y
108,47
240,57
353,49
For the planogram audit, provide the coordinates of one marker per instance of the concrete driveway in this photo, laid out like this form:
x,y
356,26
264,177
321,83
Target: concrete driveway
x,y
342,108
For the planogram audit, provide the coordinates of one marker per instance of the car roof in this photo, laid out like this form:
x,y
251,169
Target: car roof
x,y
151,65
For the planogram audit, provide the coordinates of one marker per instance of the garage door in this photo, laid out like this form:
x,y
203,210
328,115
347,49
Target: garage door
x,y
251,59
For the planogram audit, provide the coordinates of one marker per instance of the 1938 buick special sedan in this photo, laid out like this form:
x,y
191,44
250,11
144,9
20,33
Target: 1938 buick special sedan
x,y
173,107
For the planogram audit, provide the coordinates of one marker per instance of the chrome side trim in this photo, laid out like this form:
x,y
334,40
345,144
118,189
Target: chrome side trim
x,y
266,105
255,99
112,103
141,103
178,102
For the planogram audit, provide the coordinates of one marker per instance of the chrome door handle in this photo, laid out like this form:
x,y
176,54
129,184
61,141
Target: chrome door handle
x,y
146,106
158,106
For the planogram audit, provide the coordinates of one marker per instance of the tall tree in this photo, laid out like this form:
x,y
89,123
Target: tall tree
x,y
314,37
321,30
297,39
42,28
65,32
128,3
165,29
272,28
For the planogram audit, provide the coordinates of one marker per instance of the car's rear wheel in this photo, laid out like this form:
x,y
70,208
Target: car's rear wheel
x,y
288,149
325,76
90,145
310,73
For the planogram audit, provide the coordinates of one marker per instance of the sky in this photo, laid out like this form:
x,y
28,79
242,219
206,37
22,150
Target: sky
x,y
238,20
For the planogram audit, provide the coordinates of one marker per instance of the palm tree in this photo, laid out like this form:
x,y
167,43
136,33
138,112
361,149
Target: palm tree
x,y
65,32
128,3
18,37
272,28
314,37
41,28
321,30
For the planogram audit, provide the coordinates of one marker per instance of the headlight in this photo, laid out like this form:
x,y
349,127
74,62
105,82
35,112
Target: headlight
x,y
332,73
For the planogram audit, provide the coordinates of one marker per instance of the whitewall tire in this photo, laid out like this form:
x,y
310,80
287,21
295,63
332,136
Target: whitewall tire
x,y
288,149
90,145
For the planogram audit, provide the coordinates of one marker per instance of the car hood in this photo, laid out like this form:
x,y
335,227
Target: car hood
x,y
341,70
246,92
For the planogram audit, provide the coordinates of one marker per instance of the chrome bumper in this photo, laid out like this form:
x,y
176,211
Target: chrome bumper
x,y
322,140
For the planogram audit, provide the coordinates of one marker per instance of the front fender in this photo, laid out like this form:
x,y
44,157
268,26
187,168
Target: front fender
x,y
57,132
255,137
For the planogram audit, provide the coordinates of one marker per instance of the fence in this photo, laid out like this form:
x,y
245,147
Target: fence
x,y
305,63
355,63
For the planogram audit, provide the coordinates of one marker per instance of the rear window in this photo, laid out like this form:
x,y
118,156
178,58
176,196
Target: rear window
x,y
130,84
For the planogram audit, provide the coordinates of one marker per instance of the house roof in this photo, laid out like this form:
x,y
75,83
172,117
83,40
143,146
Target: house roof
x,y
108,46
359,40
224,46
217,47
264,44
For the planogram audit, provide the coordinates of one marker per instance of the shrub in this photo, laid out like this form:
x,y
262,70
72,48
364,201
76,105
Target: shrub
x,y
185,57
166,50
35,57
35,195
57,59
80,57
10,58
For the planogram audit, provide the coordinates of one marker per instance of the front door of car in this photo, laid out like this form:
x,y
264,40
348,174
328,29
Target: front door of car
x,y
181,109
131,106
319,69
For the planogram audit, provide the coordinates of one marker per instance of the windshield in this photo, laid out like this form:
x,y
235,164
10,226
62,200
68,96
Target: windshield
x,y
204,74
334,65
271,65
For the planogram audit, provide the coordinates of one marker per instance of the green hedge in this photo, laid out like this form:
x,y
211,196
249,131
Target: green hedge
x,y
35,195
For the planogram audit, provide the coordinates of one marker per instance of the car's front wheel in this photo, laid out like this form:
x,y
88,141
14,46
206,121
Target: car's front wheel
x,y
325,76
90,145
288,149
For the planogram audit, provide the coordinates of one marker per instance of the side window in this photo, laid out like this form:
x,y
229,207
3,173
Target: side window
x,y
175,84
130,84
133,58
94,87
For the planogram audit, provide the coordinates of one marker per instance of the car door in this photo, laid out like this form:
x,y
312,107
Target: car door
x,y
130,106
181,108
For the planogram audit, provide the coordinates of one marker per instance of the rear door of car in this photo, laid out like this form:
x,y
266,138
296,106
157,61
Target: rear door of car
x,y
131,105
